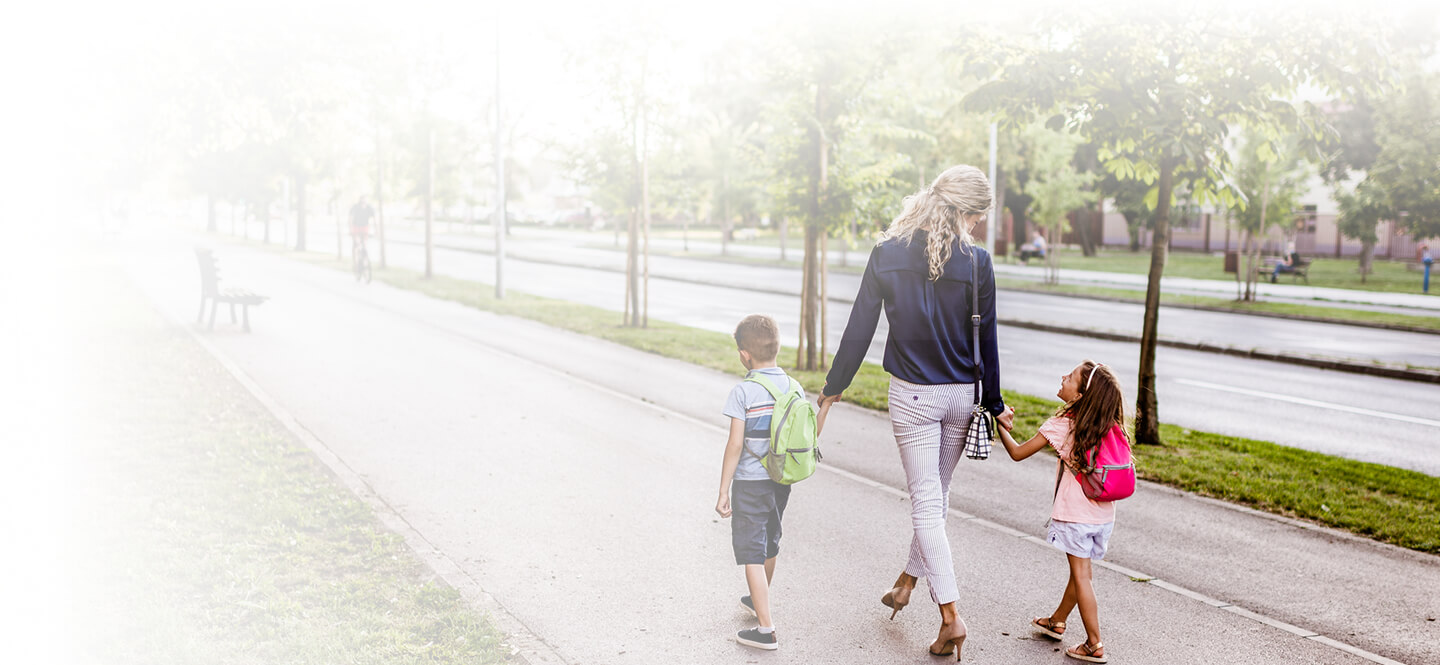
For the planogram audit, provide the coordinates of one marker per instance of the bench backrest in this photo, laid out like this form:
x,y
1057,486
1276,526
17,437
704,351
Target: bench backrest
x,y
209,273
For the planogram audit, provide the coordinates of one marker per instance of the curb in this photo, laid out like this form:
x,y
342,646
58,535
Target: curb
x,y
1334,364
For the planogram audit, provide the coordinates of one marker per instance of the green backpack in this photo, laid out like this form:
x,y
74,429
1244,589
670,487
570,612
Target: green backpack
x,y
794,447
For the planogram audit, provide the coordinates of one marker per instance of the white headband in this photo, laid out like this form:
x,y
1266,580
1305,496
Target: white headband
x,y
1092,374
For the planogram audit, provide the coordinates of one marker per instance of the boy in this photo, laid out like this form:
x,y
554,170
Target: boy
x,y
759,502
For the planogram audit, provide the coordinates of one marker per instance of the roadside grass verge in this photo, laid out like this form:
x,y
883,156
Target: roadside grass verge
x,y
209,535
1389,276
1380,502
1308,312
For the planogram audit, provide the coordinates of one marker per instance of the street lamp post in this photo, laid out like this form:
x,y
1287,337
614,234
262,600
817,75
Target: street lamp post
x,y
994,205
499,176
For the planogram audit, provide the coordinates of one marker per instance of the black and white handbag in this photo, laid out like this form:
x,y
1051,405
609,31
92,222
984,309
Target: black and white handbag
x,y
981,433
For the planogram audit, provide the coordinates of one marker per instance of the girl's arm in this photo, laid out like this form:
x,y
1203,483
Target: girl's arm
x,y
824,411
727,468
1020,451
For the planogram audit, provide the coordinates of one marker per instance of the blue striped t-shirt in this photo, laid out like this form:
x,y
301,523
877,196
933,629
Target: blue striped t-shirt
x,y
750,401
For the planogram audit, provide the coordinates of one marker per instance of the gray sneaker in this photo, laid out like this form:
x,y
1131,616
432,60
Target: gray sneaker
x,y
749,606
752,637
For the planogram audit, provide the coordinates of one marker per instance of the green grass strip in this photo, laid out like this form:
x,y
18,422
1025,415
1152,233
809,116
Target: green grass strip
x,y
210,535
1381,502
1308,312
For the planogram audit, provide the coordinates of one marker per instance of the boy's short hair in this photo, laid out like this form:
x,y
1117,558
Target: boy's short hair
x,y
758,335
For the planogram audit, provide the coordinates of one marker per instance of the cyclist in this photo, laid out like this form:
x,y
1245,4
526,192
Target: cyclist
x,y
360,215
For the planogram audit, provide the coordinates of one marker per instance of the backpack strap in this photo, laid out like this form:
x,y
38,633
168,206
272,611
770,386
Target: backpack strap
x,y
792,386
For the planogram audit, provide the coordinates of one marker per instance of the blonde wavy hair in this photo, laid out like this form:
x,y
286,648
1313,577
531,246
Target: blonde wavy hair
x,y
945,211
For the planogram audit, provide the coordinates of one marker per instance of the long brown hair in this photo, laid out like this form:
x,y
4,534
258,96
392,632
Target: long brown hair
x,y
1101,405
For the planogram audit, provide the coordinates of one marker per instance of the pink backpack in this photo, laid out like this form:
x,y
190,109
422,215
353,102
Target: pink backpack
x,y
1112,470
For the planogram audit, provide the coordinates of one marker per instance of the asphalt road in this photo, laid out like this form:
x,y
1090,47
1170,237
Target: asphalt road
x,y
574,479
1245,332
1373,419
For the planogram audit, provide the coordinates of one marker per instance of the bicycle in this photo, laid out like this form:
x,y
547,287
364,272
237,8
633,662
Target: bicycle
x,y
361,261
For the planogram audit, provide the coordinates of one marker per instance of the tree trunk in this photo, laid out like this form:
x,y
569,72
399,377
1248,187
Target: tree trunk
x,y
429,196
1087,242
210,224
632,271
1002,248
784,229
300,213
1367,257
645,215
265,218
812,292
823,295
1147,405
379,198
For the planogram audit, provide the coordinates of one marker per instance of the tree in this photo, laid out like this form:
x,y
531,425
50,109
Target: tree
x,y
1270,175
1158,96
822,76
1056,188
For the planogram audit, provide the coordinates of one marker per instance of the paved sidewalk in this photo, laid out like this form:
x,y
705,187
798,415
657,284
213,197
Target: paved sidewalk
x,y
573,479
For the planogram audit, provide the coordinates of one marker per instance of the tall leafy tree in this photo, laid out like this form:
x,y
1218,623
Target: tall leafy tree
x,y
1158,92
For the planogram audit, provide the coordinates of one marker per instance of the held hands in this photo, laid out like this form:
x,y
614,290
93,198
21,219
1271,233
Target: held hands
x,y
824,401
722,506
1007,418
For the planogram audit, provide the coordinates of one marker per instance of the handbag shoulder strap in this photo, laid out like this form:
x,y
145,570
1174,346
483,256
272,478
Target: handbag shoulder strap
x,y
975,319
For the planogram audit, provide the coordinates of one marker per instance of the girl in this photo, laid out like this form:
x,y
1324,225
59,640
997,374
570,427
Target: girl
x,y
1078,526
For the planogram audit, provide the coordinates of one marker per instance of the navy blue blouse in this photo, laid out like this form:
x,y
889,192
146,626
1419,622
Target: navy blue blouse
x,y
929,339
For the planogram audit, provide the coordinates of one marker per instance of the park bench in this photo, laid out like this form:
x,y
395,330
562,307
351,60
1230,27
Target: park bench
x,y
1298,271
210,290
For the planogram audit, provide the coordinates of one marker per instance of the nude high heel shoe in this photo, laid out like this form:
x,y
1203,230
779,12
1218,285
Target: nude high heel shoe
x,y
949,641
898,597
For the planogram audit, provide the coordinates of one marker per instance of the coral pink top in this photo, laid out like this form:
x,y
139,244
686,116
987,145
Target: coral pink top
x,y
1071,504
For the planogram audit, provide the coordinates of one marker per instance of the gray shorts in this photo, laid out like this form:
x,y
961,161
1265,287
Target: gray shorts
x,y
1087,541
756,509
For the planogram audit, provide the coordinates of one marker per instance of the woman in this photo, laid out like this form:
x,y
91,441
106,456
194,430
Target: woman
x,y
921,273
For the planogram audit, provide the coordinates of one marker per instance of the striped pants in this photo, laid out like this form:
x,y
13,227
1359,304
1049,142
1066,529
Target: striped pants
x,y
929,424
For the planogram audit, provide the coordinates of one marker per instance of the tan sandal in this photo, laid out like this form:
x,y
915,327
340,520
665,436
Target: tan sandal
x,y
1054,630
1083,651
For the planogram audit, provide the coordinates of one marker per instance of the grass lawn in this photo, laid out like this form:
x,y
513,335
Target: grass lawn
x,y
210,535
1317,312
1391,276
1381,502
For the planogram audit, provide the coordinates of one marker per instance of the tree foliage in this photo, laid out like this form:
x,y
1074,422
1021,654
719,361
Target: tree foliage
x,y
1158,92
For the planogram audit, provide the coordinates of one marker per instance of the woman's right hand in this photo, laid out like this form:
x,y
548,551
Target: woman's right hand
x,y
823,400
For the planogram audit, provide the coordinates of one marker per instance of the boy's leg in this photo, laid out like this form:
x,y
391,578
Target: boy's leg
x,y
770,570
1085,597
759,593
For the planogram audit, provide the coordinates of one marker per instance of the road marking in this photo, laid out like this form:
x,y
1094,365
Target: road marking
x,y
1310,402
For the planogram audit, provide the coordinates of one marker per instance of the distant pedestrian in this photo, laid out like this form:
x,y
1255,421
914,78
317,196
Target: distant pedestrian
x,y
1079,526
1426,260
930,278
755,503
